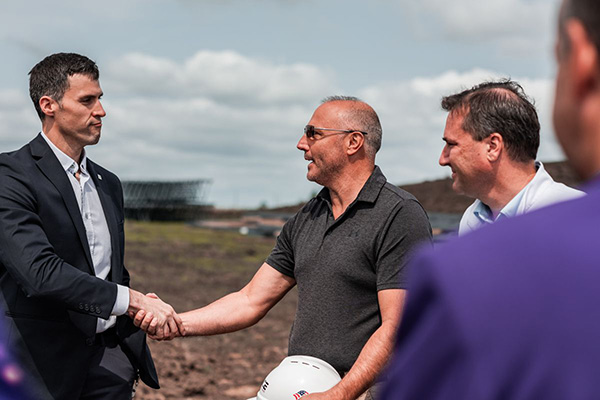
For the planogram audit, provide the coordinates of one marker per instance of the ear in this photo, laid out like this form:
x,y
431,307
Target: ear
x,y
495,146
354,142
582,58
48,105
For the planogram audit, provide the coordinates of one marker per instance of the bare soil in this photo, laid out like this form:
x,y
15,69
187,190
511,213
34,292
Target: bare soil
x,y
190,267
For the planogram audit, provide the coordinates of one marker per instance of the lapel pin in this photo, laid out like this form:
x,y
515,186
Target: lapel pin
x,y
99,176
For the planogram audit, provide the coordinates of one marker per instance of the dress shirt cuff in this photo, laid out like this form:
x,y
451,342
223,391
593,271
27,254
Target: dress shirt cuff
x,y
122,302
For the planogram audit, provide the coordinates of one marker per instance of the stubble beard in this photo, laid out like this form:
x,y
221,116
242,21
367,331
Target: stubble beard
x,y
324,174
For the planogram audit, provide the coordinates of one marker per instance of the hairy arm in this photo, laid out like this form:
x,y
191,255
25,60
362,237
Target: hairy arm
x,y
237,310
376,352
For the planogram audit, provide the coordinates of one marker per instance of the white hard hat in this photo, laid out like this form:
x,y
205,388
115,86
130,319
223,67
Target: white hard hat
x,y
297,376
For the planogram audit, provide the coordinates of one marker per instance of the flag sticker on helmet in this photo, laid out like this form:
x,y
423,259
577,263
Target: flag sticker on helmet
x,y
300,394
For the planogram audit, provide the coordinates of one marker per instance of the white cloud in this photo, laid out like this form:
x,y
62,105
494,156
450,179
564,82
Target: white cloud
x,y
236,120
216,115
515,27
476,19
222,76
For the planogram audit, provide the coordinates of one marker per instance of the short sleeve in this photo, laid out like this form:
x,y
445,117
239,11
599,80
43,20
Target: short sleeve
x,y
282,255
406,230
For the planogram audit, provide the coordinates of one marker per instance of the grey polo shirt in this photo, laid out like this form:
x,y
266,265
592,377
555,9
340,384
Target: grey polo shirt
x,y
340,265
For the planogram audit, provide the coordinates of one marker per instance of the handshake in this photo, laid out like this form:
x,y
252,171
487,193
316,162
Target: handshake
x,y
157,318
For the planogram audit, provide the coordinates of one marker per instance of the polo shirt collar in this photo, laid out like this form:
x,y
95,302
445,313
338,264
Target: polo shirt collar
x,y
372,187
368,193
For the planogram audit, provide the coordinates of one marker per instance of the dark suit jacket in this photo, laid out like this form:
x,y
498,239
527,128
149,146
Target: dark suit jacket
x,y
511,311
51,296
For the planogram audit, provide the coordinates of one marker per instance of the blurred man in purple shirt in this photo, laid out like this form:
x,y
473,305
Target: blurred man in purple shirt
x,y
12,378
513,312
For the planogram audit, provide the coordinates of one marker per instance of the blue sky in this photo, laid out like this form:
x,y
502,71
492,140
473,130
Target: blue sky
x,y
221,89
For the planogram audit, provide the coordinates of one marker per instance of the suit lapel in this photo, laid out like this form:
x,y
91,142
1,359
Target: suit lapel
x,y
111,219
51,168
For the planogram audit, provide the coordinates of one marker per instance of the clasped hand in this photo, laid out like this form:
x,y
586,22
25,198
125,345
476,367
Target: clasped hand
x,y
157,318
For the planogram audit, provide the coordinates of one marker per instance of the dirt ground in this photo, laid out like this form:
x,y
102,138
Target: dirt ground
x,y
190,267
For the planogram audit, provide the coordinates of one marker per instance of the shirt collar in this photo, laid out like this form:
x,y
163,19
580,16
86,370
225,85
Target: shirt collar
x,y
484,213
368,193
372,187
68,164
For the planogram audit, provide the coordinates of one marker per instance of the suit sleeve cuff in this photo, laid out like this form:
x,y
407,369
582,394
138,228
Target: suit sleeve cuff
x,y
122,301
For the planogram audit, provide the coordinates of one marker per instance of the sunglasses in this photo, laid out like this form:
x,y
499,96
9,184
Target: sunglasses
x,y
310,131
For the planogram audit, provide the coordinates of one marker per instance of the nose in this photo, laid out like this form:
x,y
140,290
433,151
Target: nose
x,y
99,110
443,161
302,144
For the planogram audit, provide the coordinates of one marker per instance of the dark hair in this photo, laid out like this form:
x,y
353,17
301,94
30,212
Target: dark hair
x,y
50,76
363,118
500,107
588,12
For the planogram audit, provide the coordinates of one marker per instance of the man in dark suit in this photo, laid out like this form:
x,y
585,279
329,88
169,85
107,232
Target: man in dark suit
x,y
63,283
512,312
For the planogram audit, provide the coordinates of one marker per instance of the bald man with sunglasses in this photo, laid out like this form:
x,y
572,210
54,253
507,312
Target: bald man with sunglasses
x,y
346,249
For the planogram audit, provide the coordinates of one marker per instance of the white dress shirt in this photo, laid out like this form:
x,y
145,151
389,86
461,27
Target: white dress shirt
x,y
96,227
541,191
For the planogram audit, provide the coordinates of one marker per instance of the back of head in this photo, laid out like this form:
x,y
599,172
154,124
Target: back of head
x,y
362,117
499,107
588,12
576,119
50,77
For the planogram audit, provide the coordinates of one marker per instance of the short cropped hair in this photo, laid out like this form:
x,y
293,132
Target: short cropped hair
x,y
366,120
501,107
50,77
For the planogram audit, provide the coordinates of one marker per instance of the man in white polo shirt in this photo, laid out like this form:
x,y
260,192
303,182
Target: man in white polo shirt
x,y
492,137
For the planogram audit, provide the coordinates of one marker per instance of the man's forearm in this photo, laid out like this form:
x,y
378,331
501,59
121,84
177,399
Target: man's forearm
x,y
240,309
228,314
369,364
